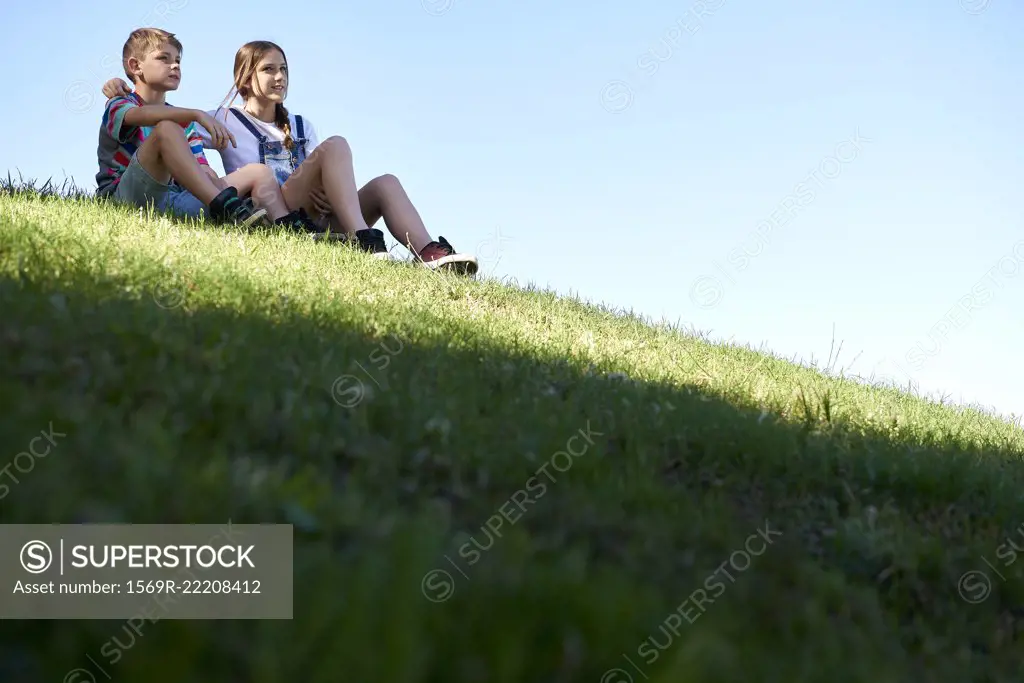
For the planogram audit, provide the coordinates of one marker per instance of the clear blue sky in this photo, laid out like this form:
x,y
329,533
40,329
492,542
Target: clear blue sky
x,y
626,151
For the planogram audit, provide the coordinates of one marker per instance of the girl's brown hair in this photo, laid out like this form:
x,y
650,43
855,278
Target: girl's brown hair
x,y
247,59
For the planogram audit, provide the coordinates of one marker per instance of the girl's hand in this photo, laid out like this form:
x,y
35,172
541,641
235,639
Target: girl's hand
x,y
319,198
116,87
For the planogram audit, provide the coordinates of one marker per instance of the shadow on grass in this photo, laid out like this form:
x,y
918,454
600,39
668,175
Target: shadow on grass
x,y
440,536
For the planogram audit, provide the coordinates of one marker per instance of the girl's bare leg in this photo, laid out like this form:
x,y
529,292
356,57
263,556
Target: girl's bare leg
x,y
329,167
384,197
258,181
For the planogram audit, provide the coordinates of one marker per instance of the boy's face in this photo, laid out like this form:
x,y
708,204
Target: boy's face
x,y
271,78
160,69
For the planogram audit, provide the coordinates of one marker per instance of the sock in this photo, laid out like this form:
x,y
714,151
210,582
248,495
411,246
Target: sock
x,y
219,203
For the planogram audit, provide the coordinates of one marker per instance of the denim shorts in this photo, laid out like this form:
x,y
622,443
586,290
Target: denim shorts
x,y
138,187
181,202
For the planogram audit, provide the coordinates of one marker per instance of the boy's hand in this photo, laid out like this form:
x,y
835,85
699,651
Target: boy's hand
x,y
219,134
115,87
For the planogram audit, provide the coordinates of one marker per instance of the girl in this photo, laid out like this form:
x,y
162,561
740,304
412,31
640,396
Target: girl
x,y
317,178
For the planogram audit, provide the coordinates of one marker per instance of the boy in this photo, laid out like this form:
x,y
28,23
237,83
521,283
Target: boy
x,y
150,151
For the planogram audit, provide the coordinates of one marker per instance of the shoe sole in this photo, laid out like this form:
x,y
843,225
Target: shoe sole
x,y
379,255
459,263
258,216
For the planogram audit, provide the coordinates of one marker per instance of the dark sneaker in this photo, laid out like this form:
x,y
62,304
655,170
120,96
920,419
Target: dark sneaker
x,y
301,222
441,254
227,207
298,221
372,242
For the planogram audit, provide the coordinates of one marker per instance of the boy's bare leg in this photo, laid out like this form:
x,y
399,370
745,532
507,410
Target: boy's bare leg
x,y
166,154
329,167
258,181
384,197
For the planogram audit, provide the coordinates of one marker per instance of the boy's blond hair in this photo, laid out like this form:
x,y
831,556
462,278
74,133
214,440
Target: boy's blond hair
x,y
142,41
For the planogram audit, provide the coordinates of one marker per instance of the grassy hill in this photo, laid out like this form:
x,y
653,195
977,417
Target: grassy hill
x,y
723,516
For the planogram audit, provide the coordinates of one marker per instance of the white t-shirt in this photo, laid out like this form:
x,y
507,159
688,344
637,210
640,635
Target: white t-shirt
x,y
248,150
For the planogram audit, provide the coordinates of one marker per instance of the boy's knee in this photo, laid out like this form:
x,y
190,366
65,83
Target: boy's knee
x,y
167,128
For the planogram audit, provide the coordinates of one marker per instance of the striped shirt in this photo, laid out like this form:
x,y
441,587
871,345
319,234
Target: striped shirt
x,y
118,142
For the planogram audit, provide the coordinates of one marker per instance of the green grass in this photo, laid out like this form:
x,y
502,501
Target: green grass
x,y
195,372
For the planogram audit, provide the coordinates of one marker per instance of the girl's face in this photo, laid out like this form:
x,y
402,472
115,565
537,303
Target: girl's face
x,y
270,82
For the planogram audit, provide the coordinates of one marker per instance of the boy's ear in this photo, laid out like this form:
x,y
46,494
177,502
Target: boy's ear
x,y
133,65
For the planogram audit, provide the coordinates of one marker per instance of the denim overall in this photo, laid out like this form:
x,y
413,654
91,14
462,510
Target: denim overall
x,y
273,153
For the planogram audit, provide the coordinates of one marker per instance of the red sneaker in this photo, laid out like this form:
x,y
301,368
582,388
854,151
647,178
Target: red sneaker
x,y
441,254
